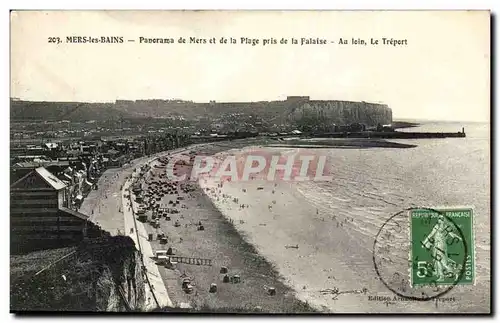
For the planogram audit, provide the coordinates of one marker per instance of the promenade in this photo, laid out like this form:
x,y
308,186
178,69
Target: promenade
x,y
156,291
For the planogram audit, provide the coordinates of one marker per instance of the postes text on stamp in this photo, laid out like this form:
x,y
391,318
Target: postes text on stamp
x,y
442,246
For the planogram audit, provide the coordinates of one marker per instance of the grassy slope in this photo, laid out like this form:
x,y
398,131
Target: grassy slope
x,y
81,282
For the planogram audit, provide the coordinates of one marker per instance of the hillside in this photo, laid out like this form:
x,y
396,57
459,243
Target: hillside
x,y
295,110
57,111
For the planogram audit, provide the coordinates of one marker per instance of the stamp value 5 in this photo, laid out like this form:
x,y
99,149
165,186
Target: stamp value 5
x,y
442,246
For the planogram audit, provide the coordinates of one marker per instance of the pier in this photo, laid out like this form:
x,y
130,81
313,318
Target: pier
x,y
391,135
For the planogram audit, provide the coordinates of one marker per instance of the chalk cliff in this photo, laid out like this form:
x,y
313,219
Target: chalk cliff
x,y
340,113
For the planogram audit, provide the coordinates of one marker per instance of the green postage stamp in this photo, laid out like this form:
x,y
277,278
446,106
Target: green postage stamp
x,y
442,246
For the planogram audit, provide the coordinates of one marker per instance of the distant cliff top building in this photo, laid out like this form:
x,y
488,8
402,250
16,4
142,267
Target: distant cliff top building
x,y
297,98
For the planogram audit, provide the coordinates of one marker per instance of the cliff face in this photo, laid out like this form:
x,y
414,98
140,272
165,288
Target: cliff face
x,y
103,275
340,112
121,287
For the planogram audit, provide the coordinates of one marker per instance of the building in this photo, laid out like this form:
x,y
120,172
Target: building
x,y
297,98
21,169
39,213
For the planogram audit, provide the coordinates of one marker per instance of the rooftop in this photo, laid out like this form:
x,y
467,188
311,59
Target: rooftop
x,y
40,163
36,178
55,182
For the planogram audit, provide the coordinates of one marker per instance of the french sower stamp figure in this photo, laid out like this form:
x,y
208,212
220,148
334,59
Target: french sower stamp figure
x,y
442,250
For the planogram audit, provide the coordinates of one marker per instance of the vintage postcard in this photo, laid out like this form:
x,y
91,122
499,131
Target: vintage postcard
x,y
250,162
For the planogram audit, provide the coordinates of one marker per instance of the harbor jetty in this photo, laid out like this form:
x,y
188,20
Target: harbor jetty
x,y
390,135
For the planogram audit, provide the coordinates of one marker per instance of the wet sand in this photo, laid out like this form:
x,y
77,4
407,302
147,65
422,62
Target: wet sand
x,y
311,245
220,242
306,268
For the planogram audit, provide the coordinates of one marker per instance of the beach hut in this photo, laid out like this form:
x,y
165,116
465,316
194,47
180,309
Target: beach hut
x,y
171,264
225,279
213,288
186,285
271,291
161,256
223,270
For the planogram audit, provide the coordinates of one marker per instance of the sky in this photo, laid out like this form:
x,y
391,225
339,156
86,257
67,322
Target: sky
x,y
443,73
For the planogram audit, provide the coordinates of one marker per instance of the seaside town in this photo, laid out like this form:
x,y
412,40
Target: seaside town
x,y
206,163
94,212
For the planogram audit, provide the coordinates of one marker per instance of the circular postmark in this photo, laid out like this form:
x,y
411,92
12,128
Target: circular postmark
x,y
420,254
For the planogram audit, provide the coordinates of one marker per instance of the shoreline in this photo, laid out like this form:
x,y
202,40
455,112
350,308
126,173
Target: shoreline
x,y
259,254
255,225
248,239
313,246
227,247
241,252
309,259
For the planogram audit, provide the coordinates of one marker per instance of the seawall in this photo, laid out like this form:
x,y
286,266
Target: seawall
x,y
392,135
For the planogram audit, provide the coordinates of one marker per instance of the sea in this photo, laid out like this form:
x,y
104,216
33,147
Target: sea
x,y
370,185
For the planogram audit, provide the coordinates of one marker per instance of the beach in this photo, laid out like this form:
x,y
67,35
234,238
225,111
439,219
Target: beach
x,y
307,238
218,241
293,234
320,235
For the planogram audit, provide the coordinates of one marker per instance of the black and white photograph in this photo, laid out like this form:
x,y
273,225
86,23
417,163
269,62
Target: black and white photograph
x,y
250,162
